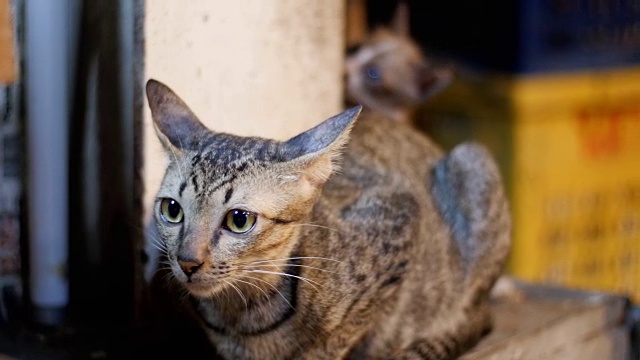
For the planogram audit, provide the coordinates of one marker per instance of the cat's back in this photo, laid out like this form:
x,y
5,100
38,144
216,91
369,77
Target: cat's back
x,y
385,171
387,149
428,232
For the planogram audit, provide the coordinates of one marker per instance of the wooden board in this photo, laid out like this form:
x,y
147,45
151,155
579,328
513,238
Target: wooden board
x,y
554,323
7,52
356,22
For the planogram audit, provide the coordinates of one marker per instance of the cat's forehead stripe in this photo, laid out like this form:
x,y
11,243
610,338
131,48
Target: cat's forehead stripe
x,y
182,187
226,149
228,194
222,157
222,182
209,179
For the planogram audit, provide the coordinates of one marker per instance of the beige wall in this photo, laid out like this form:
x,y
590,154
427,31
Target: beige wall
x,y
269,68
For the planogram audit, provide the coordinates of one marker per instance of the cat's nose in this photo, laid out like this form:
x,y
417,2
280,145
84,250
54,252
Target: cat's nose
x,y
189,267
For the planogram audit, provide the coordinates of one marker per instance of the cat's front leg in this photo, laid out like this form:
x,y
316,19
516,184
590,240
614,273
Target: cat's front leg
x,y
427,349
448,344
337,346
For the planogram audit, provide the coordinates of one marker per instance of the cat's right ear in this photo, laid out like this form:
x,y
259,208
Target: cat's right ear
x,y
317,149
176,125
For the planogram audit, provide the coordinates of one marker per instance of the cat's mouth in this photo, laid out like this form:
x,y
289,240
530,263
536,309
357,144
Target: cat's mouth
x,y
200,285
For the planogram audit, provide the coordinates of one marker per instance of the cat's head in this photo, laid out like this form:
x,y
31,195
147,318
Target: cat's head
x,y
226,201
389,73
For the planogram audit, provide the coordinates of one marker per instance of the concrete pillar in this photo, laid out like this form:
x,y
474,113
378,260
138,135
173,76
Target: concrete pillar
x,y
248,67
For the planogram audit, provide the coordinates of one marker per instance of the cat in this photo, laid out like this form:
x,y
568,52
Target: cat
x,y
389,73
356,239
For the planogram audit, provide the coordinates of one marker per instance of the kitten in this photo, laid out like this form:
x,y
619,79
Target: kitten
x,y
283,256
388,73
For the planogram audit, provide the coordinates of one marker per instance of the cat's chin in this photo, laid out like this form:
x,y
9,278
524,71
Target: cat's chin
x,y
201,290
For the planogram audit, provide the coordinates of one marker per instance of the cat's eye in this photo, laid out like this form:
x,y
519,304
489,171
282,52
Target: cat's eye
x,y
373,74
239,221
171,211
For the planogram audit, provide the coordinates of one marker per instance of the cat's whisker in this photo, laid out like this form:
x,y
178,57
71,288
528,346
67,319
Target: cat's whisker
x,y
160,269
316,225
184,296
308,281
161,249
168,275
164,267
161,244
272,264
244,299
215,296
156,242
254,285
226,294
150,238
250,266
275,288
166,264
290,258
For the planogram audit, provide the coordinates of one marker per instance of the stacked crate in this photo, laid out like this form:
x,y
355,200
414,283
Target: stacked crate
x,y
568,144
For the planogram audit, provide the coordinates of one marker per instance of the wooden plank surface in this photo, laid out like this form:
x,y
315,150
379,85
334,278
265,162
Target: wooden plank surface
x,y
357,28
553,323
7,51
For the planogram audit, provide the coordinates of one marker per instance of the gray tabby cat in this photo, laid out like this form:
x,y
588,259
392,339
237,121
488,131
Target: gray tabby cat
x,y
353,240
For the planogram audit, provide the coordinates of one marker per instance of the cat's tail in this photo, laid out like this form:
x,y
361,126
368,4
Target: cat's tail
x,y
469,193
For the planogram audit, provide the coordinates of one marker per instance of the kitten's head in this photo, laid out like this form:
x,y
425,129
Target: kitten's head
x,y
389,73
226,200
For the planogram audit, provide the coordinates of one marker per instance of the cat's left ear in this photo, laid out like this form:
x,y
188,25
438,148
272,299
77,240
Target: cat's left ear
x,y
400,23
317,149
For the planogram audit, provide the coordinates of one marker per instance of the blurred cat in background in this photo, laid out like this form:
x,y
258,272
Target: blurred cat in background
x,y
389,74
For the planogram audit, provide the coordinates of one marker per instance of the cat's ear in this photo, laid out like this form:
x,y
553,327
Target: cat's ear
x,y
432,79
177,127
400,23
317,149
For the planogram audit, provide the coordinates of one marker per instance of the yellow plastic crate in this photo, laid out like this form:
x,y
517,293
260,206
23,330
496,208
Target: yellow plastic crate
x,y
569,149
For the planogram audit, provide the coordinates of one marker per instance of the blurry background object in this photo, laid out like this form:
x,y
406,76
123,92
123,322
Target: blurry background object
x,y
356,27
568,148
8,66
554,91
532,36
387,72
11,184
47,101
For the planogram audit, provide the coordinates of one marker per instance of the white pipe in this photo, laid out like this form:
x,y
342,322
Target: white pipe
x,y
47,100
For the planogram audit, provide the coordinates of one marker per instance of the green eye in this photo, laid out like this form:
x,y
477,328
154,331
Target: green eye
x,y
171,211
239,221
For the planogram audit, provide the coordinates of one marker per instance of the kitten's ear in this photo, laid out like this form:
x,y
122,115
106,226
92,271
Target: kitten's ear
x,y
317,148
400,23
176,125
431,80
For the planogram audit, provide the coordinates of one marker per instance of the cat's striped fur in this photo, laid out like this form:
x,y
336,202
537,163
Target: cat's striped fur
x,y
391,255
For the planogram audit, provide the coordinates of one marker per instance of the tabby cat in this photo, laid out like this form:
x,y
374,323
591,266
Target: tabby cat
x,y
352,240
389,73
